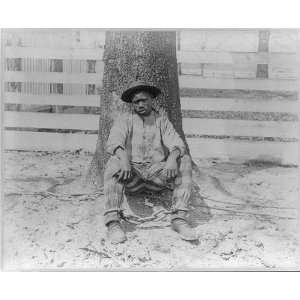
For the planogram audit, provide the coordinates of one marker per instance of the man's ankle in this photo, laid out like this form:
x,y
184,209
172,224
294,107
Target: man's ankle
x,y
113,223
111,216
179,215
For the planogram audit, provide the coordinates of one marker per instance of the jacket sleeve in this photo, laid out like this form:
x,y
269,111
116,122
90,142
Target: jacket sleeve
x,y
170,137
118,135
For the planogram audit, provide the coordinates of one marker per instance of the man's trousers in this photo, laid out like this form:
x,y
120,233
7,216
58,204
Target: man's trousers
x,y
146,176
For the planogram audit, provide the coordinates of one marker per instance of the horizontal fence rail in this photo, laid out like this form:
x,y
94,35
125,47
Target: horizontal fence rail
x,y
251,105
210,64
239,91
286,153
187,81
187,103
54,77
194,126
73,100
54,53
239,84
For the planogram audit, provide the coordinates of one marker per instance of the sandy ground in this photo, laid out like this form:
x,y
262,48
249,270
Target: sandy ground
x,y
247,218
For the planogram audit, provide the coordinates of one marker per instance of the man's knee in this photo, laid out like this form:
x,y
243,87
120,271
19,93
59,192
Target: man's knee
x,y
184,176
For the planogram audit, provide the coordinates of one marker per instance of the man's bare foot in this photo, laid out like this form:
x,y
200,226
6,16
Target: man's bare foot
x,y
184,230
115,233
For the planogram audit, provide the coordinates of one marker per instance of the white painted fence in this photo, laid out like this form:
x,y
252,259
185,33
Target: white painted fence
x,y
239,91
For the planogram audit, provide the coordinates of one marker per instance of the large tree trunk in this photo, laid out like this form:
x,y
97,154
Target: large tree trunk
x,y
129,56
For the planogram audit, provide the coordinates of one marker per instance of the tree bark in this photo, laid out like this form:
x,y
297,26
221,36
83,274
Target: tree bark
x,y
128,56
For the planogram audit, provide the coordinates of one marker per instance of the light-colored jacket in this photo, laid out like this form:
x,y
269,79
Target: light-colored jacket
x,y
144,143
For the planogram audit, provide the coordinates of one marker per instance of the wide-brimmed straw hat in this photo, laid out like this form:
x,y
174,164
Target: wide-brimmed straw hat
x,y
139,86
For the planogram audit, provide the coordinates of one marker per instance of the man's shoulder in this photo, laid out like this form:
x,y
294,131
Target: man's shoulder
x,y
161,115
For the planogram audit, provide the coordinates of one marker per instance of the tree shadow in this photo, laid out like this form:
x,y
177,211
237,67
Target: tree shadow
x,y
258,164
199,211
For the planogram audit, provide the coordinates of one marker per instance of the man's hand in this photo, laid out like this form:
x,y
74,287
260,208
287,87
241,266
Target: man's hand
x,y
125,172
171,168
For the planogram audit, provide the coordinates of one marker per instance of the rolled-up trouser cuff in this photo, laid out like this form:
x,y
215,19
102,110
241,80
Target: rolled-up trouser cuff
x,y
179,214
111,215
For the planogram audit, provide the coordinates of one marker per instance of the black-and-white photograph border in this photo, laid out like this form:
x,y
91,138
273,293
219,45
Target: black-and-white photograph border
x,y
140,149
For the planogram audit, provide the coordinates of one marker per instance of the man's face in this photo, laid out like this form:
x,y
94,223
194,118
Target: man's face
x,y
142,103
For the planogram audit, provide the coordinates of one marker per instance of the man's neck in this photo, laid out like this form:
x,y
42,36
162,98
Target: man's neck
x,y
146,117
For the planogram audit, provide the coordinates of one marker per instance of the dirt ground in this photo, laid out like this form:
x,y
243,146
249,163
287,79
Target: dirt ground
x,y
247,218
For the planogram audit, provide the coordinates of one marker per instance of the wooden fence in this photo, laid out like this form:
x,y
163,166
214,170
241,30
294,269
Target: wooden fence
x,y
239,91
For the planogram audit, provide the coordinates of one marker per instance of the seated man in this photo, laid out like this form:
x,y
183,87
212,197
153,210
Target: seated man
x,y
146,153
